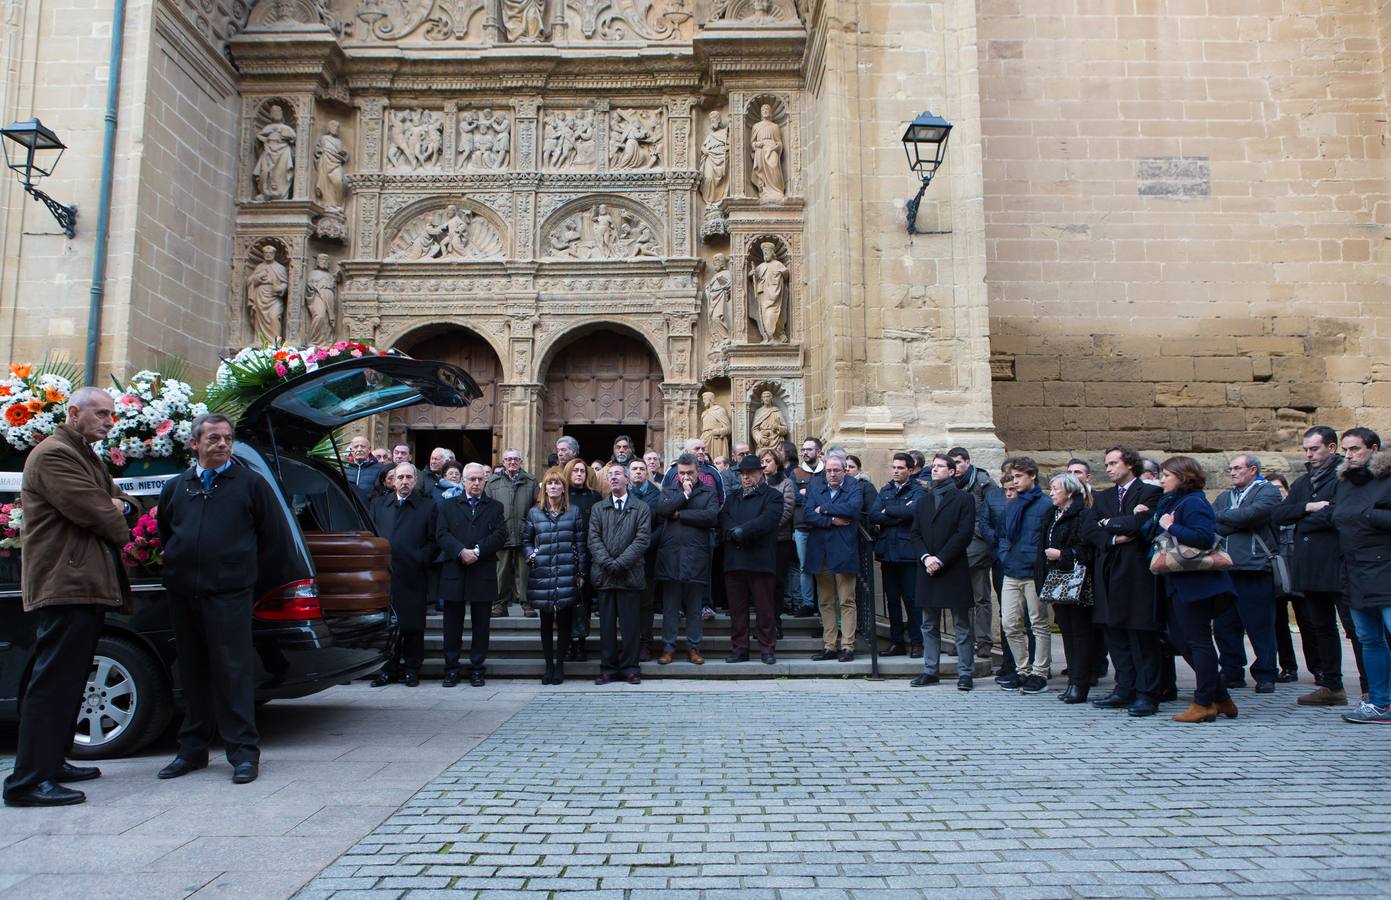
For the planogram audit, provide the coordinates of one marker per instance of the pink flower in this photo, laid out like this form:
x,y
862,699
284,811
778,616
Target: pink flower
x,y
117,456
154,511
357,353
131,400
142,555
164,427
281,370
129,548
10,532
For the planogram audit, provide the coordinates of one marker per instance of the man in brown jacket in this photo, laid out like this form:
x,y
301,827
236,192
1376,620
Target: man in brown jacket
x,y
74,520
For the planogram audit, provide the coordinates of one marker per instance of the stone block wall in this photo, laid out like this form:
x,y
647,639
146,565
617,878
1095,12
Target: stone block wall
x,y
1187,205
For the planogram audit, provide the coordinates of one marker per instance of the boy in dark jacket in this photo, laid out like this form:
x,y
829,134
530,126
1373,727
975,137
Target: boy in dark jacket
x,y
1019,542
893,512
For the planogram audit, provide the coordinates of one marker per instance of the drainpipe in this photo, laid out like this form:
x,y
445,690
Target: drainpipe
x,y
108,165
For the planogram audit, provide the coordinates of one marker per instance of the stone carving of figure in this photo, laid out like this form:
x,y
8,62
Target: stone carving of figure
x,y
645,243
525,20
717,300
767,158
769,425
414,139
634,142
770,291
468,136
453,233
714,427
569,139
714,162
563,241
320,302
605,232
275,166
330,157
502,139
266,289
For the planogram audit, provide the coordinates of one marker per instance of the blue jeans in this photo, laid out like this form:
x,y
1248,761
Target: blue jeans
x,y
808,598
1372,626
1253,614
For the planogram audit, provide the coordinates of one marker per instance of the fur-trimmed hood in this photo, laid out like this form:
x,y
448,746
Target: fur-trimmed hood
x,y
1379,465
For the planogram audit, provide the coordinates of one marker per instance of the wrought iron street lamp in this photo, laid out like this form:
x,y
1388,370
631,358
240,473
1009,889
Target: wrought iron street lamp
x,y
925,143
35,155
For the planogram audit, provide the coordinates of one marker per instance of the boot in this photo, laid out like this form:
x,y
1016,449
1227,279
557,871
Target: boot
x,y
1196,713
1225,707
1080,693
1067,695
549,677
559,676
1324,696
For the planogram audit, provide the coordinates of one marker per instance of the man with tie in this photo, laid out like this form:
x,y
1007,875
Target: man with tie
x,y
406,518
620,531
1123,585
224,536
470,529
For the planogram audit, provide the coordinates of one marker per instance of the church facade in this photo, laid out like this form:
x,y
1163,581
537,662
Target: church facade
x,y
667,218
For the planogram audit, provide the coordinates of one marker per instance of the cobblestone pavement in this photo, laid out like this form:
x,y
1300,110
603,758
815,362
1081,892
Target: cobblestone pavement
x,y
829,793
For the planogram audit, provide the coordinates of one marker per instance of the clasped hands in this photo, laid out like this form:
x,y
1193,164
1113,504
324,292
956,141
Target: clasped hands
x,y
932,564
468,556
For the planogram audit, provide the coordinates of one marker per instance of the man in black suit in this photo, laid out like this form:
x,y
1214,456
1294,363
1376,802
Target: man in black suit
x,y
1124,587
944,523
225,543
406,518
470,530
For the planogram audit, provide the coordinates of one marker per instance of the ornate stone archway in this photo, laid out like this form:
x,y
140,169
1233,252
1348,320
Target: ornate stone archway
x,y
603,376
471,352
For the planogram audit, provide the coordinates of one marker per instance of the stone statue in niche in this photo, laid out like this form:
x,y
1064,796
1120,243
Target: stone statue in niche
x,y
320,302
637,139
717,300
458,234
769,424
485,139
769,311
267,286
275,166
601,234
330,159
415,138
714,161
525,20
569,141
766,141
714,427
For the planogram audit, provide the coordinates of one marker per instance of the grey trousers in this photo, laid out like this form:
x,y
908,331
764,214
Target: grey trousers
x,y
932,641
982,592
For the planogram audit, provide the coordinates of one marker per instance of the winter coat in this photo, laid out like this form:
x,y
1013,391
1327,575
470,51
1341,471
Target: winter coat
x,y
1362,515
1020,538
584,499
788,487
1122,583
1062,531
990,520
1243,524
72,531
833,548
459,527
944,522
555,549
802,478
410,528
517,498
977,482
893,511
363,476
686,525
648,493
1317,564
707,475
621,538
1194,525
750,528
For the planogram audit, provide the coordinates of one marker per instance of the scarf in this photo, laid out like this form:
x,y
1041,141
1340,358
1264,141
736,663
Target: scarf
x,y
1014,512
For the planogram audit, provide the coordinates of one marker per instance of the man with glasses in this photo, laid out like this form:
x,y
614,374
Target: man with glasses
x,y
1243,520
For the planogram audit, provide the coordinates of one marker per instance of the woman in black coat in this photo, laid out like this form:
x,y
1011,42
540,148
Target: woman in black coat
x,y
583,483
1061,550
553,540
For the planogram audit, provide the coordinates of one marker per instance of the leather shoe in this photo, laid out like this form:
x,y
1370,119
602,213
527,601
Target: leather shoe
x,y
645,655
1265,687
737,658
768,659
602,680
1287,675
181,767
965,683
1225,707
70,773
1234,681
665,658
894,650
1143,708
1076,695
411,680
383,678
915,652
45,793
1195,713
823,655
694,657
1113,701
245,773
634,678
451,679
475,679
924,680
847,656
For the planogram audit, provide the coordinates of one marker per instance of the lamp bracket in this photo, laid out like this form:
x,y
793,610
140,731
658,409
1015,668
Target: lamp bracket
x,y
66,216
913,207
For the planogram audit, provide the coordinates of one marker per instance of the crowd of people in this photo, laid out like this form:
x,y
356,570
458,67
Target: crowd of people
x,y
1132,576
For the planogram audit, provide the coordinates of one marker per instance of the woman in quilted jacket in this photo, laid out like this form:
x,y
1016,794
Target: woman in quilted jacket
x,y
553,538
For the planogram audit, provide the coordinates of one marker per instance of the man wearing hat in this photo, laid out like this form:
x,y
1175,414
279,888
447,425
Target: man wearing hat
x,y
749,527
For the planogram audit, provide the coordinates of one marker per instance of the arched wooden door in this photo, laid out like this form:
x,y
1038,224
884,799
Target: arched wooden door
x,y
474,432
601,385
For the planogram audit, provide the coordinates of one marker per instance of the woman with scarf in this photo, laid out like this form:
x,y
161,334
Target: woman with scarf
x,y
1061,551
583,483
1193,598
553,541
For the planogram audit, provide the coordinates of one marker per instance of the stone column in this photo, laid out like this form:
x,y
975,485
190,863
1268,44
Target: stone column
x,y
682,415
520,417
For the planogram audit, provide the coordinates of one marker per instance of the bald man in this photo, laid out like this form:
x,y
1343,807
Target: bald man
x,y
470,529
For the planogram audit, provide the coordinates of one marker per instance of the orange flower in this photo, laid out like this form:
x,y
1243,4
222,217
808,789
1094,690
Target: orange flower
x,y
35,406
53,395
5,390
18,414
21,370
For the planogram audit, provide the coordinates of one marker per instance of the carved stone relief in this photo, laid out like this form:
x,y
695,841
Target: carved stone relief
x,y
635,139
434,20
626,20
717,291
766,147
756,12
525,20
569,141
485,139
602,231
769,291
415,139
274,171
448,234
320,302
330,165
714,426
290,15
769,426
267,286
